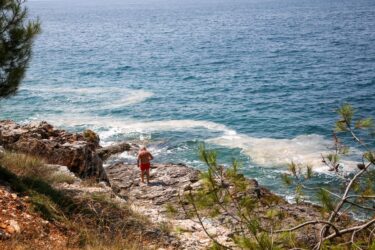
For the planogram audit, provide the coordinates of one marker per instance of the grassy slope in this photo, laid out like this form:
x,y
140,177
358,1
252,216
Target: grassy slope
x,y
88,221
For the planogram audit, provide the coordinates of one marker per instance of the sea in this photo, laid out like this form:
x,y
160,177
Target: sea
x,y
258,81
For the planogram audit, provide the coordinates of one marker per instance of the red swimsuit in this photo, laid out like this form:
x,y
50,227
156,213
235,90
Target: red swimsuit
x,y
145,166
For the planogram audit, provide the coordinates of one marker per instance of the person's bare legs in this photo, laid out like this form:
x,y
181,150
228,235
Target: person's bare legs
x,y
142,176
148,175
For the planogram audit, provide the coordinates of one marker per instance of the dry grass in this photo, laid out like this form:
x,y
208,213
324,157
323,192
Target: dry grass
x,y
61,178
91,221
25,165
103,223
89,240
30,166
90,182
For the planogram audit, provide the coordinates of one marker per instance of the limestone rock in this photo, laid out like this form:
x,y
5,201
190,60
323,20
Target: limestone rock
x,y
15,226
105,152
169,181
152,200
41,139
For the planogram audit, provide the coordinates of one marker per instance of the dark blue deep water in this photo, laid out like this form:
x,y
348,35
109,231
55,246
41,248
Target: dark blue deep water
x,y
258,80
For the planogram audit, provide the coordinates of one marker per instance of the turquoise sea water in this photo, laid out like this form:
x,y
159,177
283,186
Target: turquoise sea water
x,y
258,80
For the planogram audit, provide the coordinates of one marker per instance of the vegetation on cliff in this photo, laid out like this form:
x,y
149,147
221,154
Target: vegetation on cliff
x,y
85,216
17,34
227,191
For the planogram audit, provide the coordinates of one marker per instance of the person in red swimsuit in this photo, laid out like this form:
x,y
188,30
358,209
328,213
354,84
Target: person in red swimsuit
x,y
143,162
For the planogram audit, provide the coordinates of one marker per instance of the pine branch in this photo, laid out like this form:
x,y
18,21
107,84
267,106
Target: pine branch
x,y
350,230
308,223
361,196
202,224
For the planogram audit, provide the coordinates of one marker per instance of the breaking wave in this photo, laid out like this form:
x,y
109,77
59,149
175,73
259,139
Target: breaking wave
x,y
271,152
117,126
265,152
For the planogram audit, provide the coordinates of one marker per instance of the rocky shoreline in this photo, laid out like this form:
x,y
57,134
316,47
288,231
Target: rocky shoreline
x,y
82,155
167,185
79,152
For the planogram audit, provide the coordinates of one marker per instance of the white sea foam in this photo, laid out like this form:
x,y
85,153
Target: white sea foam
x,y
127,96
73,90
117,126
267,152
130,98
303,149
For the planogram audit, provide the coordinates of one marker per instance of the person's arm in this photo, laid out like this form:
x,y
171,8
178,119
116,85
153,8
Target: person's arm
x,y
151,157
138,161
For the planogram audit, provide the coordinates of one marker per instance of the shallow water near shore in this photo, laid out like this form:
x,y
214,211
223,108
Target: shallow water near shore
x,y
256,80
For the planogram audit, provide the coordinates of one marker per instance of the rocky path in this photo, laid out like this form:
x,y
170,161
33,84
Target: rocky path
x,y
167,181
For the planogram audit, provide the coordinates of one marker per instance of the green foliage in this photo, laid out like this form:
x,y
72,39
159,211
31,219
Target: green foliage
x,y
370,156
171,210
226,191
90,136
298,194
46,207
232,172
364,123
288,238
266,242
286,179
216,246
368,188
325,200
273,213
356,186
292,168
372,246
329,246
344,150
248,203
296,172
309,172
333,158
30,166
208,156
17,34
262,242
341,126
346,112
246,243
255,221
345,123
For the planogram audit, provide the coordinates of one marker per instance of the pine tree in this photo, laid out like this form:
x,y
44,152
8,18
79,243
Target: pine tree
x,y
17,34
226,192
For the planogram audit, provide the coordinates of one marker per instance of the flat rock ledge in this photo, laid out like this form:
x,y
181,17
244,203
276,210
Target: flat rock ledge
x,y
168,181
